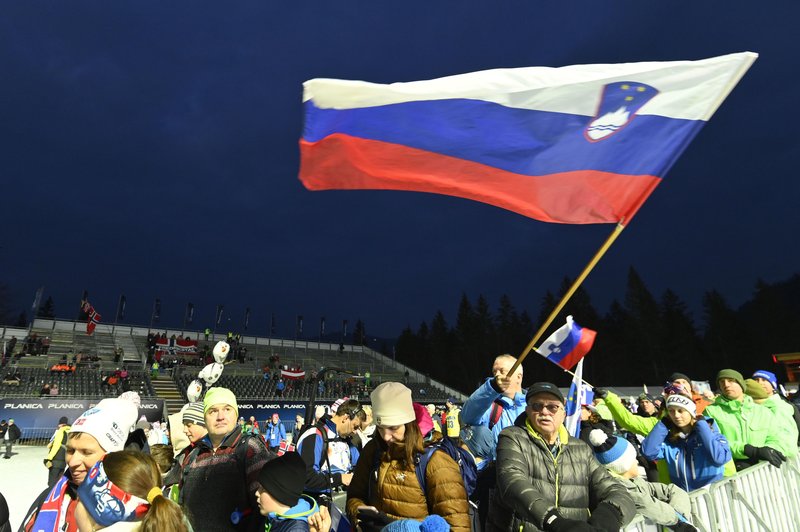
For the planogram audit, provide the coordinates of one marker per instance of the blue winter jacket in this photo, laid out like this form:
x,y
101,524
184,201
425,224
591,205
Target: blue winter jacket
x,y
478,408
694,461
274,434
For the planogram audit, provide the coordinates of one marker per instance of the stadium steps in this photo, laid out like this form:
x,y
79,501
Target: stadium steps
x,y
131,354
164,388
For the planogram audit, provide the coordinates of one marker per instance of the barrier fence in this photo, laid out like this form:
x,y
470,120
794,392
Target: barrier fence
x,y
761,498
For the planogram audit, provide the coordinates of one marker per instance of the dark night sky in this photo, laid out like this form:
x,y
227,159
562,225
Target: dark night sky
x,y
150,149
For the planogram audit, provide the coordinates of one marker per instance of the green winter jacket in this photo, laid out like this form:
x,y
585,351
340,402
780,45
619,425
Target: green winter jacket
x,y
784,413
743,422
628,420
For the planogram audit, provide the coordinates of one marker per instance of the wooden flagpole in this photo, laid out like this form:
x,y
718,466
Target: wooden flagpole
x,y
585,273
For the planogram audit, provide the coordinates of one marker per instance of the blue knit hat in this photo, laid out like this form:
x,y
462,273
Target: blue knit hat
x,y
432,523
768,376
617,454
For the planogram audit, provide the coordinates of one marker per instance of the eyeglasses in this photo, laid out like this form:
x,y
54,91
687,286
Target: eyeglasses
x,y
551,407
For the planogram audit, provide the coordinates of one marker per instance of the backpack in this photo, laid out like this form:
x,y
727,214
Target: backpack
x,y
469,473
462,457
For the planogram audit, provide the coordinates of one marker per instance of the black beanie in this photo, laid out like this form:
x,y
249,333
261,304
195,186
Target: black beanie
x,y
283,478
63,421
675,376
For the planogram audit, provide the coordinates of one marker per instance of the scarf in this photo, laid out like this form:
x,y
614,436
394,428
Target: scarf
x,y
54,508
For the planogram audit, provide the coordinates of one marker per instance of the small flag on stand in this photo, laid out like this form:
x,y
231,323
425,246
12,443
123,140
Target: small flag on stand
x,y
567,345
92,317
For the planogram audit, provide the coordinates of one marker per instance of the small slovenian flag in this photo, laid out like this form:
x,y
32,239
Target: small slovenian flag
x,y
567,345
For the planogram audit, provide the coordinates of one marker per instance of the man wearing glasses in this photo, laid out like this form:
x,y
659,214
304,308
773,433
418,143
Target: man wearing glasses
x,y
548,480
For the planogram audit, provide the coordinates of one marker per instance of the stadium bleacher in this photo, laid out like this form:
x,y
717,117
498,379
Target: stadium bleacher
x,y
245,376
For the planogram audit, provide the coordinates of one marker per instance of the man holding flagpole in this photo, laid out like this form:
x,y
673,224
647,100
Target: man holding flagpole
x,y
499,400
494,405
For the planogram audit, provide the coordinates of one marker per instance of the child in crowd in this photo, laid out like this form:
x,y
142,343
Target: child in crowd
x,y
664,504
281,500
124,487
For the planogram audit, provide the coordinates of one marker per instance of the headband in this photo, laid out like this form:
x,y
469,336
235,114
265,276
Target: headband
x,y
681,401
106,502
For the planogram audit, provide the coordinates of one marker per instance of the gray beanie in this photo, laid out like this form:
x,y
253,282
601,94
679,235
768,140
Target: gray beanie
x,y
193,413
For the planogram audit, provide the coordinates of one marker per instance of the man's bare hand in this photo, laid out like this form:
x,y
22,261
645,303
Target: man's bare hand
x,y
346,478
503,382
320,521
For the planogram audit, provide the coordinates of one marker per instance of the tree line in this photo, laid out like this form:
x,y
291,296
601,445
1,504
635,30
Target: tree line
x,y
640,340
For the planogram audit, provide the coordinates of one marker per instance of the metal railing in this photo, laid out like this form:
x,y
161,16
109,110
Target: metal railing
x,y
761,498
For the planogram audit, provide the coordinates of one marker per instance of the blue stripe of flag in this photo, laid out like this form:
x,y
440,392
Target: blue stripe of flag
x,y
568,345
516,140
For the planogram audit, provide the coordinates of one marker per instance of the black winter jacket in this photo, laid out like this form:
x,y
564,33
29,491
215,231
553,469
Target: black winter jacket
x,y
531,481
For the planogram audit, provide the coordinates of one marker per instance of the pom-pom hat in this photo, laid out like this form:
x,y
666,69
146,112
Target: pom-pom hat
x,y
615,453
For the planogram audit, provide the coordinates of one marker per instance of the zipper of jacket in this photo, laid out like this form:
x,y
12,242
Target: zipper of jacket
x,y
555,465
685,474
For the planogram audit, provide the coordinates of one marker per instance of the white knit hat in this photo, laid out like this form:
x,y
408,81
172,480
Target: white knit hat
x,y
681,401
109,421
392,405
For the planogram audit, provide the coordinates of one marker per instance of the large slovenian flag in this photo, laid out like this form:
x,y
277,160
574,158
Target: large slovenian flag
x,y
578,144
568,344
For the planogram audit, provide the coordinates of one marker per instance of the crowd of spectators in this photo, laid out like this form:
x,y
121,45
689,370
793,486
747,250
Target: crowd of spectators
x,y
640,455
32,345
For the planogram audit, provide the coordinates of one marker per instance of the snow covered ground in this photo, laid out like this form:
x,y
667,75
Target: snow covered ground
x,y
22,478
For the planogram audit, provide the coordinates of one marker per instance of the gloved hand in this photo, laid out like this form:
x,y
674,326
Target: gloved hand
x,y
555,522
683,526
602,393
373,517
769,454
47,463
606,517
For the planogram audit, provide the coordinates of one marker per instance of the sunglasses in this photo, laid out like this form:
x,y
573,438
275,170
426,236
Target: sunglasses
x,y
551,407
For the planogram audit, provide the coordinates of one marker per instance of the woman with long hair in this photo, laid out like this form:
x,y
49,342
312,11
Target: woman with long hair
x,y
385,486
122,492
692,446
